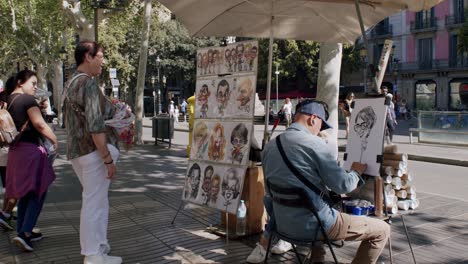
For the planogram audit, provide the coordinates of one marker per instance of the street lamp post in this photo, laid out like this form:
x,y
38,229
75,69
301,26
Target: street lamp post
x,y
277,74
153,81
159,101
363,55
165,92
158,65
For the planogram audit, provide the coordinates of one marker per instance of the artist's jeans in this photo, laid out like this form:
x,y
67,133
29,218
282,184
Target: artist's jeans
x,y
29,208
92,173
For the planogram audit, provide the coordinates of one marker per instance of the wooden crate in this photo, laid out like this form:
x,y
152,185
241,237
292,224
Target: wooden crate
x,y
252,194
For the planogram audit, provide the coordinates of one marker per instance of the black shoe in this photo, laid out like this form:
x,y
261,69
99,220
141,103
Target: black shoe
x,y
5,223
36,236
23,242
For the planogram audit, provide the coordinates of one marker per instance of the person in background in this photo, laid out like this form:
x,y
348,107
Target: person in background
x,y
176,113
29,172
391,118
183,108
347,109
92,150
403,109
287,111
171,109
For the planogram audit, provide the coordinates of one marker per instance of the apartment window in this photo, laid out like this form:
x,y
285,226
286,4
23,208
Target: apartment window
x,y
425,53
425,95
458,99
458,10
425,19
457,58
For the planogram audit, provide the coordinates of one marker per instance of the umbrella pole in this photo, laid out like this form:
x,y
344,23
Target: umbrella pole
x,y
268,91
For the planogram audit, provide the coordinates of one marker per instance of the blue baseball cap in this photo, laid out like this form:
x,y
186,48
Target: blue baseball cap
x,y
313,107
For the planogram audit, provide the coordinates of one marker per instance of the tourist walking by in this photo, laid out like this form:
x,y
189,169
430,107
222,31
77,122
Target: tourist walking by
x,y
287,111
171,109
183,108
391,118
176,113
347,109
92,149
29,172
403,107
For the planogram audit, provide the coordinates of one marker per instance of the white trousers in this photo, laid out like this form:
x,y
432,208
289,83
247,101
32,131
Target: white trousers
x,y
94,217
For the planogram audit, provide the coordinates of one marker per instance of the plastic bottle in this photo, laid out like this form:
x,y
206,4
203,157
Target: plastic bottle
x,y
241,219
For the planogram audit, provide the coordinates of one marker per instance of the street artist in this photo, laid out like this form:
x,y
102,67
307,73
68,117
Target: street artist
x,y
310,155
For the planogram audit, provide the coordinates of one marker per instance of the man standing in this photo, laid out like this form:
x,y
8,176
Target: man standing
x,y
183,108
91,147
287,111
310,155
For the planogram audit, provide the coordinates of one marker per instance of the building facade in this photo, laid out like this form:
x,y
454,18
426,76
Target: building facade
x,y
426,67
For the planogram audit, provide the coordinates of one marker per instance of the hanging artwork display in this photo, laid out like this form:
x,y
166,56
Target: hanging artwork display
x,y
239,57
366,133
224,142
223,125
215,186
225,97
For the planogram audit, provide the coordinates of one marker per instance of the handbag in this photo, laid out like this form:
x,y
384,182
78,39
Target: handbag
x,y
332,199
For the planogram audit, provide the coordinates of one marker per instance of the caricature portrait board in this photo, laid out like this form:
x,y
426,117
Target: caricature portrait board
x,y
214,185
225,97
223,142
366,133
234,58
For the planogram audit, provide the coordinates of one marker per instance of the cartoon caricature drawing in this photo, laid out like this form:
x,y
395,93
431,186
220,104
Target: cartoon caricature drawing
x,y
230,186
217,143
202,99
199,64
239,138
205,63
245,91
222,95
206,185
192,182
234,59
227,56
364,122
200,136
214,189
240,56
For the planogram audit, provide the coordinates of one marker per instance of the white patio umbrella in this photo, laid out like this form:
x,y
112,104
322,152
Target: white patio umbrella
x,y
331,21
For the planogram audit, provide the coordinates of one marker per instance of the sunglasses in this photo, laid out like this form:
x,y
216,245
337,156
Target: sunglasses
x,y
309,101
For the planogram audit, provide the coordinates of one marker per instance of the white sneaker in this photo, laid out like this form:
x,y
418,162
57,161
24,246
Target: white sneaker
x,y
105,248
102,259
281,247
258,255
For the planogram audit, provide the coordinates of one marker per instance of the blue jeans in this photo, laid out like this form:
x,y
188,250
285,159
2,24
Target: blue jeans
x,y
29,208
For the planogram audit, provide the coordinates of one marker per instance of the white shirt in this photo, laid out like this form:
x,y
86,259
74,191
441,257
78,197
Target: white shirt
x,y
287,108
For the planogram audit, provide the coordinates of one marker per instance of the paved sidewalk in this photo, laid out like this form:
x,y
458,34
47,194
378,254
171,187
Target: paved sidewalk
x,y
146,195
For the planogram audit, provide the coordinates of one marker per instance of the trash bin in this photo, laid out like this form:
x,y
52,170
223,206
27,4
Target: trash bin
x,y
163,128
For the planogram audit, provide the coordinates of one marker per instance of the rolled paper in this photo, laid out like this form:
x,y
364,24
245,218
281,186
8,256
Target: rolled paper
x,y
390,192
396,156
405,184
393,209
403,205
401,194
407,177
411,196
413,204
396,182
399,173
411,190
387,179
391,149
398,165
389,170
388,187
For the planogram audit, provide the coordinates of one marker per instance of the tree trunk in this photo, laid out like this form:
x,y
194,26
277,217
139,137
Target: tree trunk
x,y
57,82
142,72
329,87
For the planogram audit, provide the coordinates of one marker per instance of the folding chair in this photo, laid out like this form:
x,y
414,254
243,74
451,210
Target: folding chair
x,y
297,198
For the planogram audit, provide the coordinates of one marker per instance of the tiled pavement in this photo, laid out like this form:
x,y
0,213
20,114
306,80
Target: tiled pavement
x,y
146,195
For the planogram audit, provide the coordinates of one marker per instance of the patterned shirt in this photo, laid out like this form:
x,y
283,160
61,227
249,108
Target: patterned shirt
x,y
85,109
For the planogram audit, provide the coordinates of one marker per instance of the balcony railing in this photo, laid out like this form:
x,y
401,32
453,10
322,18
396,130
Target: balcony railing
x,y
423,25
450,64
381,31
454,20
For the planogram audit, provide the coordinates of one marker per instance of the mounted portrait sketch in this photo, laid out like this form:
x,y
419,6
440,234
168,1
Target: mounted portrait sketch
x,y
239,57
214,186
225,97
366,134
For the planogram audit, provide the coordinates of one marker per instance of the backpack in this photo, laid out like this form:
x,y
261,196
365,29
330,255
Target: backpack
x,y
8,132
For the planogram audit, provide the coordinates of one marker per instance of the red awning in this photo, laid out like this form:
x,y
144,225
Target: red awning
x,y
290,94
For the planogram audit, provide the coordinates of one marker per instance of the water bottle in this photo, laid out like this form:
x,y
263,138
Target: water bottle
x,y
241,219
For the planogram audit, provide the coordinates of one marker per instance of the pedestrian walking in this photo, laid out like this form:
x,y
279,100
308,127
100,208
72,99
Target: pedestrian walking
x,y
29,172
347,109
176,113
171,109
287,111
391,118
183,108
92,149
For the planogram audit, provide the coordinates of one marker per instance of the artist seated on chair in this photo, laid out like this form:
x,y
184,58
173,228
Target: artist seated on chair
x,y
313,159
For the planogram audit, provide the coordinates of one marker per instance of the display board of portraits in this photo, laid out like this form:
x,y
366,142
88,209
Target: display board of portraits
x,y
214,185
366,134
239,57
225,97
223,142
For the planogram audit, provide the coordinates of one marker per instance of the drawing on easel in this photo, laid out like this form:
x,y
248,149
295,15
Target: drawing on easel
x,y
206,185
239,141
223,94
365,140
200,140
192,182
